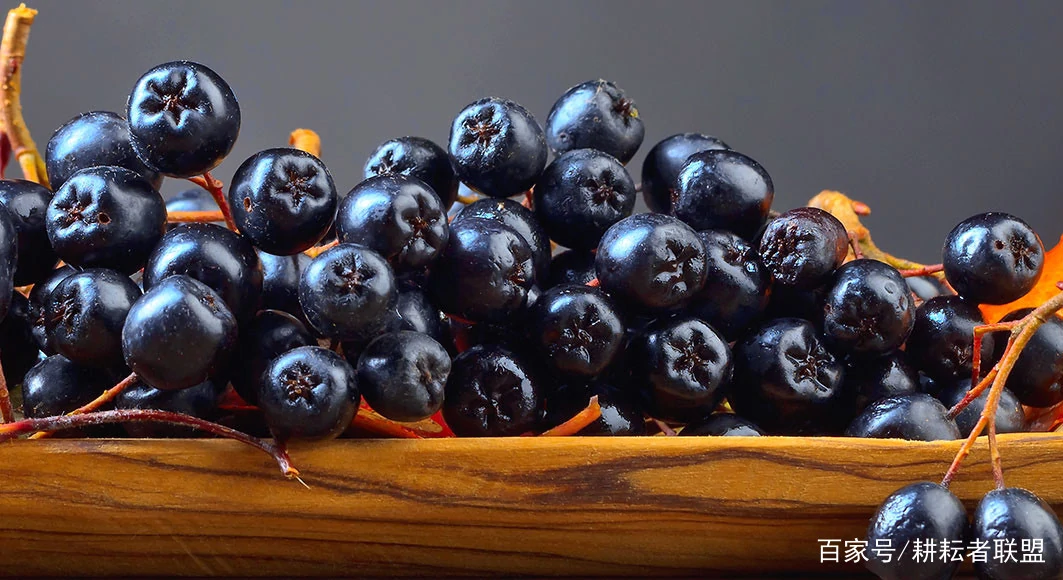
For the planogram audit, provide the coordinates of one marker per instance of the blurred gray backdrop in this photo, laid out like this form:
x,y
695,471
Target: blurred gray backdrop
x,y
929,112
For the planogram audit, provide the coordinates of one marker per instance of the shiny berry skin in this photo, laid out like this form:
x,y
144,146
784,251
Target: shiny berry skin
x,y
722,189
309,393
577,329
347,293
106,217
868,309
621,413
518,218
56,386
1012,516
869,379
485,274
283,199
651,260
942,339
280,282
993,258
402,375
179,334
927,287
660,170
803,246
491,392
1009,416
398,217
90,140
684,367
497,147
415,157
735,294
85,314
571,267
786,381
183,118
722,425
268,335
595,115
214,255
915,417
581,195
38,304
414,311
18,348
791,302
27,203
198,401
8,260
192,199
921,511
1037,377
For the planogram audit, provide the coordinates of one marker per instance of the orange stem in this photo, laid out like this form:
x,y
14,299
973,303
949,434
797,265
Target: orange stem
x,y
93,405
578,422
199,217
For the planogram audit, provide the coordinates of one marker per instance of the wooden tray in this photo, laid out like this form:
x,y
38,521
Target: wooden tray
x,y
666,506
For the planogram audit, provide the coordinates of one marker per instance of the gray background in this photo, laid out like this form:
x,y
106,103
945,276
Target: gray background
x,y
929,112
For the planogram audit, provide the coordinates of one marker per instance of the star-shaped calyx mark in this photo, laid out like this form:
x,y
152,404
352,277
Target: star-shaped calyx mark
x,y
299,384
602,190
351,279
625,108
296,183
806,368
1022,253
480,128
171,98
386,164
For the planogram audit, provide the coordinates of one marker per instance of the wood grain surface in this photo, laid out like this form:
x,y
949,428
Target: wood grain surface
x,y
665,506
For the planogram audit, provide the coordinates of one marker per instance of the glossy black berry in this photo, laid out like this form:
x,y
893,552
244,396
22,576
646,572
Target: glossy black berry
x,y
571,267
519,219
993,258
309,393
491,392
621,413
927,287
183,118
868,309
38,305
85,314
414,311
1009,416
915,417
1006,520
268,335
416,157
791,302
577,329
8,261
581,195
179,334
192,199
27,203
923,512
198,401
942,338
18,348
869,379
398,217
803,246
283,199
106,217
735,294
660,170
722,189
722,425
347,293
280,282
484,274
56,386
497,147
402,375
90,140
786,381
684,368
1037,377
652,260
595,115
216,256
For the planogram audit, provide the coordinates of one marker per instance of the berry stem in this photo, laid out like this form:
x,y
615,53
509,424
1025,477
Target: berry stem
x,y
60,422
318,250
215,188
529,199
976,346
923,271
305,140
994,455
7,414
93,405
468,199
578,421
664,427
858,254
593,283
12,53
199,217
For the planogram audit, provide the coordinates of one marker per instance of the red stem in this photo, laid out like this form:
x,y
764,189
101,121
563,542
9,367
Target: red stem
x,y
214,187
924,271
7,414
578,421
593,283
104,398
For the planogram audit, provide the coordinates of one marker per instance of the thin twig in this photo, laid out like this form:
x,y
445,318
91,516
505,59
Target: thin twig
x,y
199,217
12,53
923,271
216,190
318,250
578,421
93,405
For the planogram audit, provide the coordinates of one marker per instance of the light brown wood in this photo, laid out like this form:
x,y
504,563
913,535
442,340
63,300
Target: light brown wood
x,y
671,506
